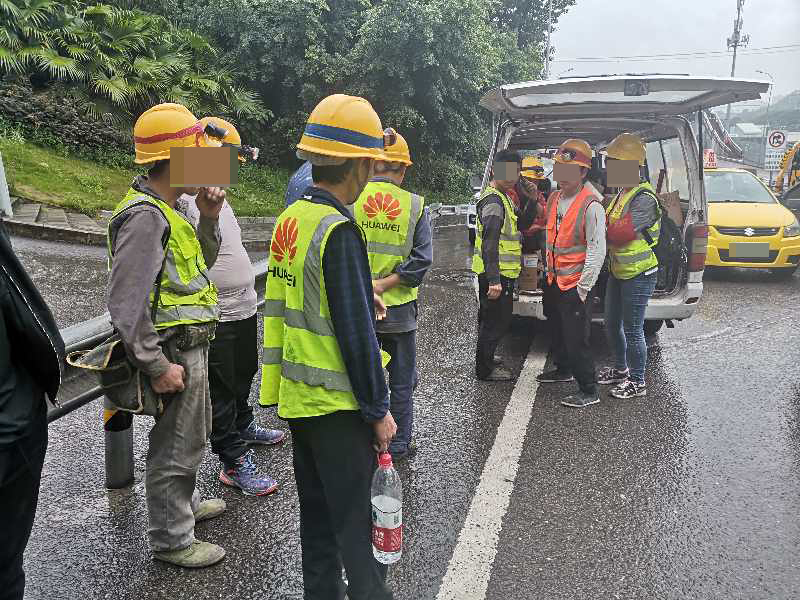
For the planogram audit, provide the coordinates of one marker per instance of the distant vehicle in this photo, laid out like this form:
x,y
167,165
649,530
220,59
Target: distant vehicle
x,y
789,169
748,227
542,114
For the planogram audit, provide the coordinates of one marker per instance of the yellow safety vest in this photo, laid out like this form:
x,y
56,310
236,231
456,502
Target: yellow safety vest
x,y
302,367
637,256
510,245
187,294
388,215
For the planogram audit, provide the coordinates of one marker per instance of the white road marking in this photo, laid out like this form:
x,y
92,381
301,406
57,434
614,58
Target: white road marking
x,y
467,576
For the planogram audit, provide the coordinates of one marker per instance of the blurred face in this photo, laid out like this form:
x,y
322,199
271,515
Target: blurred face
x,y
622,173
506,175
569,177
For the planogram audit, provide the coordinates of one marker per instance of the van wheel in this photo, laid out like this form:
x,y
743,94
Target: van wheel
x,y
471,236
783,273
652,327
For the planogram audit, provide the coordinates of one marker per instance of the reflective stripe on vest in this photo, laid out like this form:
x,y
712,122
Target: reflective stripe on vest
x,y
388,216
187,294
566,247
637,256
302,366
510,250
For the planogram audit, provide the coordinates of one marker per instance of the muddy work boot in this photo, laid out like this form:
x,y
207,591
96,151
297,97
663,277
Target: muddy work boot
x,y
198,555
209,509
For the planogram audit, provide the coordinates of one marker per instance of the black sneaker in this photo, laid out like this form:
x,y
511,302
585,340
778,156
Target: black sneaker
x,y
498,374
629,389
554,376
611,375
581,400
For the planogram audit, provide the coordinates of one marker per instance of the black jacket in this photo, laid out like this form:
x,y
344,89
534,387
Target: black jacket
x,y
31,348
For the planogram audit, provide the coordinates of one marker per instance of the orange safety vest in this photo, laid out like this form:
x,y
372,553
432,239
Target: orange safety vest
x,y
566,246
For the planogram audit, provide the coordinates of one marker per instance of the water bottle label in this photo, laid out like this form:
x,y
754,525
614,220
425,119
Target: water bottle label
x,y
387,530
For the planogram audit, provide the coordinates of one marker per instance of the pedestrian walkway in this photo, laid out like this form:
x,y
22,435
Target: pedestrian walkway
x,y
46,222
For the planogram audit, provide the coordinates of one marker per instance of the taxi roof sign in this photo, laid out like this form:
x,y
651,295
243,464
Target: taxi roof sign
x,y
709,159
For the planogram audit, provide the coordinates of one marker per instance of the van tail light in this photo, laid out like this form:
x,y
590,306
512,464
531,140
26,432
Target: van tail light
x,y
698,242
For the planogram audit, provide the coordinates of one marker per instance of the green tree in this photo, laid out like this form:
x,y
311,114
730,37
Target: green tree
x,y
118,62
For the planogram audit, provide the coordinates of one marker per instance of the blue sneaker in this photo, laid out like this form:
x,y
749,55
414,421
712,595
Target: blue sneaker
x,y
245,476
256,434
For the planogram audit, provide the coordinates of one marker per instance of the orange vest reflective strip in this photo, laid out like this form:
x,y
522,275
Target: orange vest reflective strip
x,y
566,248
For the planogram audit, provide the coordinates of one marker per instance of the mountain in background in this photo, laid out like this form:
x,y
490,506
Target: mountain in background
x,y
783,114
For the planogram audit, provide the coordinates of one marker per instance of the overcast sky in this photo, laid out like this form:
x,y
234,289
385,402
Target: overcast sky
x,y
606,28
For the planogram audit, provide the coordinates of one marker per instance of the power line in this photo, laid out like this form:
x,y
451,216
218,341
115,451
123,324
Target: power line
x,y
685,55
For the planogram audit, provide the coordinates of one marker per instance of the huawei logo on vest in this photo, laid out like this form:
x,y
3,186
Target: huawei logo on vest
x,y
381,204
284,240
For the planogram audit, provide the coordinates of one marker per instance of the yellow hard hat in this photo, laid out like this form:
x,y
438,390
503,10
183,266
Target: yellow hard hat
x,y
532,168
397,152
163,127
342,126
627,146
575,152
231,137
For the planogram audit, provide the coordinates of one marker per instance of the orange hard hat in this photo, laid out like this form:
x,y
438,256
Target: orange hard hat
x,y
575,152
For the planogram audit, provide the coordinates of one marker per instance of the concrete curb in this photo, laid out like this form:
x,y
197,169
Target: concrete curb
x,y
54,234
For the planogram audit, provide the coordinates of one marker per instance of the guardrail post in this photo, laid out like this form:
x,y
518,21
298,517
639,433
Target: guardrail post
x,y
119,451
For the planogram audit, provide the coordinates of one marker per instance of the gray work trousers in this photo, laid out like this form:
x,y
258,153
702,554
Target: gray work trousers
x,y
177,442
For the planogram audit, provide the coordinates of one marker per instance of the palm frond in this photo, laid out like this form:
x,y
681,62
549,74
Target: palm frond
x,y
11,61
114,87
60,67
9,7
36,12
246,103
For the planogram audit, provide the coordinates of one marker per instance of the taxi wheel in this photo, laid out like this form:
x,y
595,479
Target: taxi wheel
x,y
651,327
783,273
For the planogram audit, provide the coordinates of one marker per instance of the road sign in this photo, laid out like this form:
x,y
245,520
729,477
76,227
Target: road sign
x,y
776,139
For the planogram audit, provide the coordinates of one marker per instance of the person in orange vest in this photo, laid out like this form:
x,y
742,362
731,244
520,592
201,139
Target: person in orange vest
x,y
575,252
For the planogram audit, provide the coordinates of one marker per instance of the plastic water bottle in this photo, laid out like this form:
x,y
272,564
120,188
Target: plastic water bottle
x,y
387,512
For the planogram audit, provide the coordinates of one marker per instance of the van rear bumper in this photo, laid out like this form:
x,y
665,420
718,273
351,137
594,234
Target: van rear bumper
x,y
677,306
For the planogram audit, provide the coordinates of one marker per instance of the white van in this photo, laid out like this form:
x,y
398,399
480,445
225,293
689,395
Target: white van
x,y
537,115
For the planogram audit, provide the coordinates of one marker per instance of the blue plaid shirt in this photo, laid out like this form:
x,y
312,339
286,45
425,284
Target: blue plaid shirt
x,y
298,184
348,284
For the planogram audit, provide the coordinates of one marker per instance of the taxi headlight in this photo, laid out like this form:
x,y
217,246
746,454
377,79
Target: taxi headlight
x,y
792,230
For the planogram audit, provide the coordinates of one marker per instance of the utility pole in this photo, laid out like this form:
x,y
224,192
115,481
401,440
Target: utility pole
x,y
766,125
736,40
547,49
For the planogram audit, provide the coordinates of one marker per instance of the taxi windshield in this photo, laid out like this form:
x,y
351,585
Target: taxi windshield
x,y
735,186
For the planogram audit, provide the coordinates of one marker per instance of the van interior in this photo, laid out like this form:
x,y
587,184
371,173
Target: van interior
x,y
665,168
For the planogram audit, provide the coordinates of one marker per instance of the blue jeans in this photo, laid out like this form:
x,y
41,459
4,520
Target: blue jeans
x,y
626,300
403,381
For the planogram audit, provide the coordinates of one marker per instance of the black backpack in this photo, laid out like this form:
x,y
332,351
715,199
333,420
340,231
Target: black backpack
x,y
669,250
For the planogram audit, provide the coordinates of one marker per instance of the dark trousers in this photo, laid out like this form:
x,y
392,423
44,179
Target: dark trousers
x,y
232,364
494,319
403,381
333,466
20,474
570,329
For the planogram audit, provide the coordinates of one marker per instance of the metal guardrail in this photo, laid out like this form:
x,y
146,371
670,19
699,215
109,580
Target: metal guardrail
x,y
79,387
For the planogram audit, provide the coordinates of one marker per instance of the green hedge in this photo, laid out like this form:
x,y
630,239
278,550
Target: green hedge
x,y
52,121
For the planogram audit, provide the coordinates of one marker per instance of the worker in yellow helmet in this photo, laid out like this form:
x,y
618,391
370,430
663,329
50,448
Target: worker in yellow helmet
x,y
575,254
634,224
233,353
321,361
400,248
164,307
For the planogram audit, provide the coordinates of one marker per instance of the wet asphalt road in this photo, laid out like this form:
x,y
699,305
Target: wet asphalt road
x,y
691,493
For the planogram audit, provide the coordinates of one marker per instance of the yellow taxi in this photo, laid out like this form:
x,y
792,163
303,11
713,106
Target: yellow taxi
x,y
748,227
